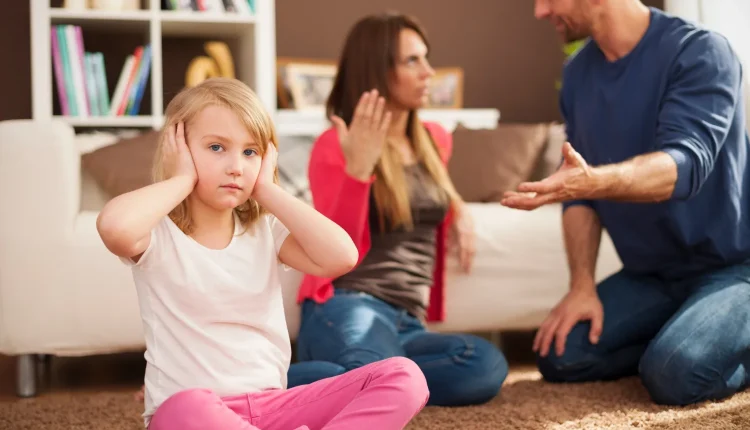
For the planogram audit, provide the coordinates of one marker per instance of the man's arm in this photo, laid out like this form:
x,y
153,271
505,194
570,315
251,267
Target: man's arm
x,y
646,178
696,115
582,234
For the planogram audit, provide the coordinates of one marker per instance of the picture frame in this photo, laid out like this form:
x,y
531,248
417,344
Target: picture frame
x,y
304,83
446,89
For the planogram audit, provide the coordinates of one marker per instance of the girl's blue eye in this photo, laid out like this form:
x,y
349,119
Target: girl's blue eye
x,y
250,152
215,147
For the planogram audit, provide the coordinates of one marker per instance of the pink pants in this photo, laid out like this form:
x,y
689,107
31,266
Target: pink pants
x,y
383,395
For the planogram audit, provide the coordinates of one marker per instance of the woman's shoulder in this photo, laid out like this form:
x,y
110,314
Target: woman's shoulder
x,y
328,139
442,138
327,146
438,132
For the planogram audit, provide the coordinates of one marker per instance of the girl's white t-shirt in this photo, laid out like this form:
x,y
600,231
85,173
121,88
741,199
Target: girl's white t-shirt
x,y
212,318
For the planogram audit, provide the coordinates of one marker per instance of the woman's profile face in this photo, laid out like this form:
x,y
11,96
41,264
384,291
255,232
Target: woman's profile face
x,y
411,73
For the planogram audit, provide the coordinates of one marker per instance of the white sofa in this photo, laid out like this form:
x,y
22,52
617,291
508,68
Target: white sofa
x,y
62,293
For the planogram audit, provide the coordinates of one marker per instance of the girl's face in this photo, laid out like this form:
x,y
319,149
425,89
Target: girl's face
x,y
227,159
412,72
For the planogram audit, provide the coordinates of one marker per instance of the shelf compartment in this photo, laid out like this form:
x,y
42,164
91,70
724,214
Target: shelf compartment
x,y
100,19
195,24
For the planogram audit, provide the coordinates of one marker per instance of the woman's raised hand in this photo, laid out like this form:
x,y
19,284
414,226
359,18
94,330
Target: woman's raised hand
x,y
363,141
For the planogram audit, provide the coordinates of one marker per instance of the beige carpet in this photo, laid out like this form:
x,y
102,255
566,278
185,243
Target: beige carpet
x,y
525,403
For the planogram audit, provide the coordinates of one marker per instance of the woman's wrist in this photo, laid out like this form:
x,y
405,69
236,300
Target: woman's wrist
x,y
359,173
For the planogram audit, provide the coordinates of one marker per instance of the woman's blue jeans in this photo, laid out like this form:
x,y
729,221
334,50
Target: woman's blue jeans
x,y
353,329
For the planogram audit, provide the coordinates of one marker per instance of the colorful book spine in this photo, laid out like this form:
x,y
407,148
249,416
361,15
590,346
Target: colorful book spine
x,y
137,94
57,63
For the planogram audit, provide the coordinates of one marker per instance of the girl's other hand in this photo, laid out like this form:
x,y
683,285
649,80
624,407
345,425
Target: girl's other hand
x,y
177,157
267,169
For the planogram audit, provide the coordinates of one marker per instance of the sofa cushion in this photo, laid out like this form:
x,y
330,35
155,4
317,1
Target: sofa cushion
x,y
551,156
123,166
488,162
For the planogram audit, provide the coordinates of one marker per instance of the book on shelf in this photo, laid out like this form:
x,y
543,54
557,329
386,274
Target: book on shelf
x,y
81,78
242,7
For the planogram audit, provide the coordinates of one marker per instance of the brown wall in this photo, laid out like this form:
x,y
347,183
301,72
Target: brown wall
x,y
510,60
15,74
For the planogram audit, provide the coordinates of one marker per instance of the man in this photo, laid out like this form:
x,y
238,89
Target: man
x,y
657,155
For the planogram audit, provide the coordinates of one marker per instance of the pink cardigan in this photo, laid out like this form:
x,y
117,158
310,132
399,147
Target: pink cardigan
x,y
345,200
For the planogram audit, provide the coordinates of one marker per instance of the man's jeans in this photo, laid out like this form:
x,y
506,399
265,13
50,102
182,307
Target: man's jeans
x,y
353,329
689,340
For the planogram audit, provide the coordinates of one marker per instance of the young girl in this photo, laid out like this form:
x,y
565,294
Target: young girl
x,y
205,242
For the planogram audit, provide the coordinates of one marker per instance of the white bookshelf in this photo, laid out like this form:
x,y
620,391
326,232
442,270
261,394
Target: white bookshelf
x,y
253,38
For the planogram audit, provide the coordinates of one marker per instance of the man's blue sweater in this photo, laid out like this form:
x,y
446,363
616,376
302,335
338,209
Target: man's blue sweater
x,y
678,91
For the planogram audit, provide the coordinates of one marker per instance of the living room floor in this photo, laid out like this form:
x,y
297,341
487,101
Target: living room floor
x,y
97,393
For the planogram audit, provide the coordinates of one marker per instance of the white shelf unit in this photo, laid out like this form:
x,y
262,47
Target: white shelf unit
x,y
313,122
254,37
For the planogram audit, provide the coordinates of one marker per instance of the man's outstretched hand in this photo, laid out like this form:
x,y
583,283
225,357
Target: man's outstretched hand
x,y
573,180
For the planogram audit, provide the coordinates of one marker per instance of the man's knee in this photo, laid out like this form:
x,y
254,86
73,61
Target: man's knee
x,y
679,373
578,362
696,358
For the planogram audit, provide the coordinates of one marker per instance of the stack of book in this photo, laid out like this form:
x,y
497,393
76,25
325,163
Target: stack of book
x,y
81,77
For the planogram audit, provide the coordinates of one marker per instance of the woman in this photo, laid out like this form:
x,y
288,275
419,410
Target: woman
x,y
380,174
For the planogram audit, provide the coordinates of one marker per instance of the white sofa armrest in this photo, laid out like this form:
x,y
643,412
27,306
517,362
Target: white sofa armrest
x,y
39,177
61,292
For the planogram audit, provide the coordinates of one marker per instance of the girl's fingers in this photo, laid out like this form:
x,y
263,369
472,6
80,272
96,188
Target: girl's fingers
x,y
171,136
274,153
180,135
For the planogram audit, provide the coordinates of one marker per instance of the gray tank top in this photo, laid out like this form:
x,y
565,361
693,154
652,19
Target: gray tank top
x,y
398,269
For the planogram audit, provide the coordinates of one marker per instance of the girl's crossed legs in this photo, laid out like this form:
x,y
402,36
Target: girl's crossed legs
x,y
386,394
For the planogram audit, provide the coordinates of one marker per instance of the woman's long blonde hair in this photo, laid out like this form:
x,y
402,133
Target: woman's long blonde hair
x,y
390,190
240,99
367,61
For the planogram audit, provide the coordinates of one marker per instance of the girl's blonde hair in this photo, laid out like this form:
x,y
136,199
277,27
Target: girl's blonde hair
x,y
240,99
